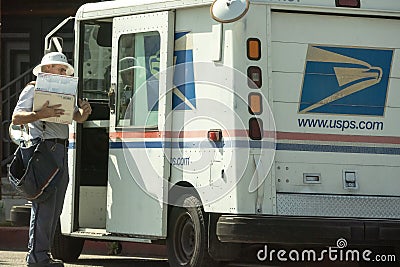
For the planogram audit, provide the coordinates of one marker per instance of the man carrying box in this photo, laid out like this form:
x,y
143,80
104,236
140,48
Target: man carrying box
x,y
57,89
45,215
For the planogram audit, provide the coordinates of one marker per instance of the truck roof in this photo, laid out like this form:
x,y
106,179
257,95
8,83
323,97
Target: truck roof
x,y
121,7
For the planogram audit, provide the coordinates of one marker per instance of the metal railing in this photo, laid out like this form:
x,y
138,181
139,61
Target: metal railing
x,y
9,94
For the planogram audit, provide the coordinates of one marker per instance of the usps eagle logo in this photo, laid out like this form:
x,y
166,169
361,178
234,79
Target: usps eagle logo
x,y
345,80
184,92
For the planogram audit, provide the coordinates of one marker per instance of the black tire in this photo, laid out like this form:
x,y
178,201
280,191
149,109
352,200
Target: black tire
x,y
66,248
188,235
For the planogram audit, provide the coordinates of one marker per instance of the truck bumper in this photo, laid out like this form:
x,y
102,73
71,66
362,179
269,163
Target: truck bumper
x,y
301,230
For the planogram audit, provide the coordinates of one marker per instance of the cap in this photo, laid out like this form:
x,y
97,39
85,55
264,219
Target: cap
x,y
54,58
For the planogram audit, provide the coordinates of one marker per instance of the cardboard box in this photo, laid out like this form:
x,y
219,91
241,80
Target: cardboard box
x,y
57,89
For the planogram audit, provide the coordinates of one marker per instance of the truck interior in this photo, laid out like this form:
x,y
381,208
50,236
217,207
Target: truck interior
x,y
92,137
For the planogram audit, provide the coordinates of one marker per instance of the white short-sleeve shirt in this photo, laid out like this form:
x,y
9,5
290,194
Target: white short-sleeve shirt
x,y
52,130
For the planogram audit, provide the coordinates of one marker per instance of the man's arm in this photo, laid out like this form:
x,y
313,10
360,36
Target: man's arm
x,y
81,114
24,117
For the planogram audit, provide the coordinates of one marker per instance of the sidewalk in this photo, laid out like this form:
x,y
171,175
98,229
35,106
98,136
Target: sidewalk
x,y
16,238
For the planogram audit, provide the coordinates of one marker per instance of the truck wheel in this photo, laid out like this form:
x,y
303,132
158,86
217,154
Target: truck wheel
x,y
187,236
66,248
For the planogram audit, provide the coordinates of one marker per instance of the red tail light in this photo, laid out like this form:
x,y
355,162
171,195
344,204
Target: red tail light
x,y
256,129
215,135
348,3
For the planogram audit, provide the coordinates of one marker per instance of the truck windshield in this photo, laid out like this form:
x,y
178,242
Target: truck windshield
x,y
96,60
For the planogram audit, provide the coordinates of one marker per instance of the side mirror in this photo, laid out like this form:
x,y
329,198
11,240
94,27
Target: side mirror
x,y
226,11
55,45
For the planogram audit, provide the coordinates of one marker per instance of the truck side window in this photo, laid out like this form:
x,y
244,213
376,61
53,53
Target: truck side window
x,y
96,62
138,86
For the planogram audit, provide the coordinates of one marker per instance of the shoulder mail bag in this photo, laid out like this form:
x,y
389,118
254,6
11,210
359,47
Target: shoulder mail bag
x,y
33,180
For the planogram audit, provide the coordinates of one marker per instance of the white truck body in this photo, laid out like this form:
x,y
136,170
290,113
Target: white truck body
x,y
325,93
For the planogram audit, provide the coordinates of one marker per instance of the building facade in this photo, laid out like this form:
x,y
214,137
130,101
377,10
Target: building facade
x,y
24,24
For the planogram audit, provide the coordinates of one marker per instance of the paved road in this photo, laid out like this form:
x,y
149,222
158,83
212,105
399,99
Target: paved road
x,y
16,259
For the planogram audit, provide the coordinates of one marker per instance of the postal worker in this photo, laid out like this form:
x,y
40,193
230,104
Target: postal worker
x,y
45,214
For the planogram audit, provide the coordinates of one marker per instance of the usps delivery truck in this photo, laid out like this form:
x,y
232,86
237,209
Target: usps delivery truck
x,y
221,124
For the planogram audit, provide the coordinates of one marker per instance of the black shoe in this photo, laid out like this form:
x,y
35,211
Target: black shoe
x,y
47,263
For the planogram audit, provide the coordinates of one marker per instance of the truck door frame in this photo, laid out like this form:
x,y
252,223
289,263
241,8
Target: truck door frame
x,y
137,206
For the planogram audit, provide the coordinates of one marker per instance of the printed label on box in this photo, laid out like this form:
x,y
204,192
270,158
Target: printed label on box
x,y
57,89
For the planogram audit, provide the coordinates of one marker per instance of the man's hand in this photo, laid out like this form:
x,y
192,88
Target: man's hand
x,y
24,117
85,106
50,111
83,112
